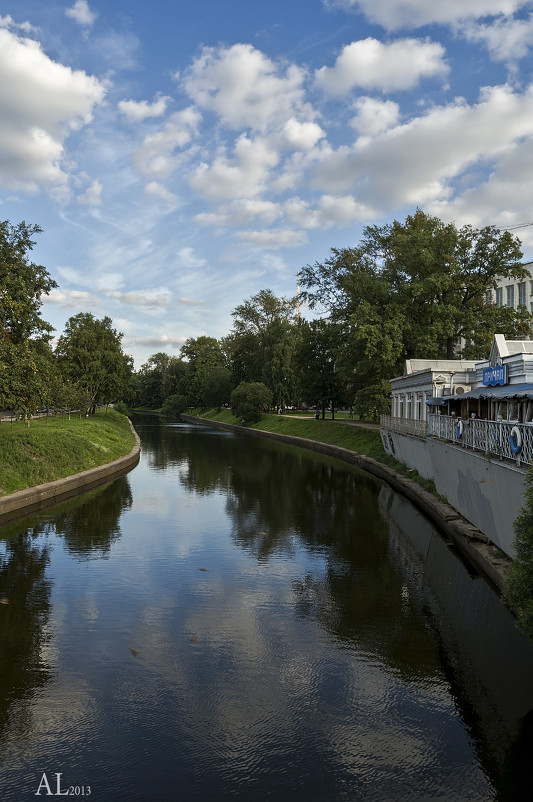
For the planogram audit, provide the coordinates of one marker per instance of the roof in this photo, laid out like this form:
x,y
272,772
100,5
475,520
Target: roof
x,y
507,391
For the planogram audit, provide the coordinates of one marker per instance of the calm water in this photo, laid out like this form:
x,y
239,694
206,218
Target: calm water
x,y
239,620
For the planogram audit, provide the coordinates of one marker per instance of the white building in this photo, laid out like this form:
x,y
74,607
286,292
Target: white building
x,y
514,292
429,378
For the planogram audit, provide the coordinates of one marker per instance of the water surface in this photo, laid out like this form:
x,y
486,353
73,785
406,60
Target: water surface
x,y
236,619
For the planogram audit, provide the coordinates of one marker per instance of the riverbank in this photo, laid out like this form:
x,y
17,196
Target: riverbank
x,y
55,459
361,446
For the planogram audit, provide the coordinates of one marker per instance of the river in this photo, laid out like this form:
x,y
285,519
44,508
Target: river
x,y
239,620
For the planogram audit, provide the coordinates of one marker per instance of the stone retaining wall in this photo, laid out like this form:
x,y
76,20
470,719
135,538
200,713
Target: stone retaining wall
x,y
32,499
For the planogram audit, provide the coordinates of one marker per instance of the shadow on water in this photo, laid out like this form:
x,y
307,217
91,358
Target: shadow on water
x,y
24,612
375,586
393,605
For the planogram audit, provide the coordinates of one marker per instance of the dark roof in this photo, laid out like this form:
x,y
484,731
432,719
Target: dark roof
x,y
507,391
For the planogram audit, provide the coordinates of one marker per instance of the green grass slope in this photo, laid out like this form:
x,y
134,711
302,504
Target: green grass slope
x,y
53,449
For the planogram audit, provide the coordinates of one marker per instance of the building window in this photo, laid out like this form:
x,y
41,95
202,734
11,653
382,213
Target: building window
x,y
522,294
510,295
488,297
531,287
499,296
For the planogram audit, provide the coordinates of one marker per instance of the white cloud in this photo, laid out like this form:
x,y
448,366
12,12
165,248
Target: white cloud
x,y
157,158
272,239
188,258
373,116
159,298
414,163
505,39
92,195
386,67
244,87
82,14
241,212
137,111
160,192
191,302
300,135
41,102
329,212
243,176
163,341
392,14
72,299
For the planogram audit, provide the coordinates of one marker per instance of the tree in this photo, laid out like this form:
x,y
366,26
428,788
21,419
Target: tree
x,y
202,355
217,387
24,351
518,584
249,400
90,354
320,382
263,341
174,405
22,284
373,400
417,289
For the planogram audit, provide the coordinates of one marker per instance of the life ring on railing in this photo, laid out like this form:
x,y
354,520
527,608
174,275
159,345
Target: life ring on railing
x,y
516,440
459,429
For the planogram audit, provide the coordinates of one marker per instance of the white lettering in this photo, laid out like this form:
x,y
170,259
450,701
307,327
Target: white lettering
x,y
44,781
59,792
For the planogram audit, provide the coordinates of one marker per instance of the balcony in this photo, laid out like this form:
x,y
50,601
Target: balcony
x,y
499,439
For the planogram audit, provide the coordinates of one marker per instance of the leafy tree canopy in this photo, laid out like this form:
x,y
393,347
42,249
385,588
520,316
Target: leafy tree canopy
x,y
249,400
90,354
417,289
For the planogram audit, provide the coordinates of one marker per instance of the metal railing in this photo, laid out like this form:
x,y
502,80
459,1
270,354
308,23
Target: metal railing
x,y
498,439
418,428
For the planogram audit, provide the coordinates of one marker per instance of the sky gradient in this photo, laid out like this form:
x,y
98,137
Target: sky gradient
x,y
182,156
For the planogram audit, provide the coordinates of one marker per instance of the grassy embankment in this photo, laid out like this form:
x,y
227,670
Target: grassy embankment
x,y
337,432
59,447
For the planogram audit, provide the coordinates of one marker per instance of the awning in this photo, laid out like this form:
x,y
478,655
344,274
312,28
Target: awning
x,y
515,391
522,391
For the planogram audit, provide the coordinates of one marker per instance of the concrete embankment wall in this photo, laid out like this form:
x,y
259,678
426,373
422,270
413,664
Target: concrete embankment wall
x,y
488,493
472,541
24,502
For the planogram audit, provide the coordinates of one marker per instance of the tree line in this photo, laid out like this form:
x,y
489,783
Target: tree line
x,y
87,367
416,289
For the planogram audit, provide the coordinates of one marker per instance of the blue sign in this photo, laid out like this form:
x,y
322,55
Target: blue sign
x,y
493,376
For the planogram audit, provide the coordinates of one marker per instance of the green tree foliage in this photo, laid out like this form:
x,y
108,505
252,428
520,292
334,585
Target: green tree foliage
x,y
217,387
90,355
174,405
373,400
417,289
22,284
250,400
202,354
319,378
25,356
263,343
518,584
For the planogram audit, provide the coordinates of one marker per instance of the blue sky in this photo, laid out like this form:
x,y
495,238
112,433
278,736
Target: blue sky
x,y
182,156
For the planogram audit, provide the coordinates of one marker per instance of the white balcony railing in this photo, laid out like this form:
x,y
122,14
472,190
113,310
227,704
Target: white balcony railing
x,y
499,439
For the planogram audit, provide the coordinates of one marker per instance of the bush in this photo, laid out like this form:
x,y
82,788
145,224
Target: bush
x,y
121,407
373,400
518,584
249,400
174,405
